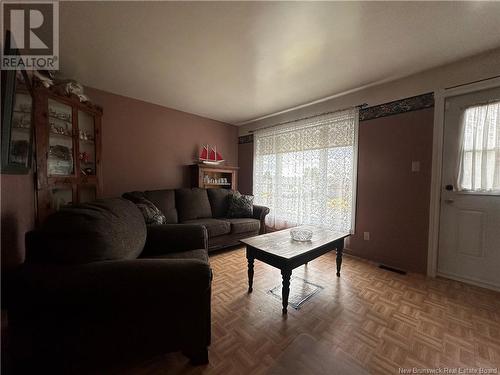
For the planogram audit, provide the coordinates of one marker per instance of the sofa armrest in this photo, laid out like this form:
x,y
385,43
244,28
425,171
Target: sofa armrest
x,y
152,282
170,238
259,213
66,313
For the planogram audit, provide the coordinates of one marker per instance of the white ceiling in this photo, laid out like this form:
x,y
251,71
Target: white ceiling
x,y
236,61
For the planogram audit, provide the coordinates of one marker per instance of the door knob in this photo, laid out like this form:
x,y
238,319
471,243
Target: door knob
x,y
449,187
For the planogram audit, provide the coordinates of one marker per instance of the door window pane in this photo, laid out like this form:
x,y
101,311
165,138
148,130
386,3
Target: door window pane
x,y
480,150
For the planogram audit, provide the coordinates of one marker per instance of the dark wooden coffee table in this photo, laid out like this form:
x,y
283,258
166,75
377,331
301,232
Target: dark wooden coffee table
x,y
279,250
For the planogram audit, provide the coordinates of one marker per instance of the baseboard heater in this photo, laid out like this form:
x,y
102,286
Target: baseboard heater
x,y
384,267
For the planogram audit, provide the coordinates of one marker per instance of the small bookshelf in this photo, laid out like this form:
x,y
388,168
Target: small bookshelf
x,y
214,176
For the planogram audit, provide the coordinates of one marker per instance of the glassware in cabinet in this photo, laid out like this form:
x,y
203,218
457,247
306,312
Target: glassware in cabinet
x,y
87,145
60,154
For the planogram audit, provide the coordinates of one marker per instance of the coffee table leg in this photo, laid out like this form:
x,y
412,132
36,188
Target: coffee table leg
x,y
340,249
250,259
285,291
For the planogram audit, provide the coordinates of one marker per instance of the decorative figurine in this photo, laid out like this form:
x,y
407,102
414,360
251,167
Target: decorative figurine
x,y
209,155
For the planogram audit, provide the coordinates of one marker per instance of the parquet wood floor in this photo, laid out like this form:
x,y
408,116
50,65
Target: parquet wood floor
x,y
381,320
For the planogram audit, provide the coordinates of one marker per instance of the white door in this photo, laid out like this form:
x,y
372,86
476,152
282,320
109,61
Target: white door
x,y
469,231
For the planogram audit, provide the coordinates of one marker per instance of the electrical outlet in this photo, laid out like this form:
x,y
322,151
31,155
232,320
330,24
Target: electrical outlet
x,y
366,236
415,166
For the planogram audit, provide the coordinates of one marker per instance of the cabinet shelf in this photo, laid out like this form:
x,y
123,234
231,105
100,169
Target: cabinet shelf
x,y
53,134
201,172
60,119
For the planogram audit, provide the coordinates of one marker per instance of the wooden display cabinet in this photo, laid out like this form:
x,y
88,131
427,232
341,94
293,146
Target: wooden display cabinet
x,y
214,176
68,150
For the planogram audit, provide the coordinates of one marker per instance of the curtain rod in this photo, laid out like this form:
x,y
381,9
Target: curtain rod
x,y
359,106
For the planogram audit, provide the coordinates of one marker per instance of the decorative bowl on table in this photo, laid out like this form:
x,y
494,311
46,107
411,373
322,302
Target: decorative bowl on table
x,y
301,234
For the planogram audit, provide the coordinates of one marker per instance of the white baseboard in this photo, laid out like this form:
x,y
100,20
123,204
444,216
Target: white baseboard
x,y
467,280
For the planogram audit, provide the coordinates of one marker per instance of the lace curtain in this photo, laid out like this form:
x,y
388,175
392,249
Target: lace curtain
x,y
305,171
479,159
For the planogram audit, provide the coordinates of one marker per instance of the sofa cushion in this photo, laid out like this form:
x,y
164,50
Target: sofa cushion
x,y
240,205
214,227
108,229
192,204
219,201
151,213
165,201
198,254
243,225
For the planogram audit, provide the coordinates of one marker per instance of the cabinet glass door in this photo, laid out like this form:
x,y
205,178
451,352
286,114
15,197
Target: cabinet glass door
x,y
61,196
87,193
20,136
86,139
60,157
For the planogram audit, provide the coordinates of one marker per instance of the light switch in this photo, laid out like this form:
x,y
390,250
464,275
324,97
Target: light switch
x,y
415,166
366,236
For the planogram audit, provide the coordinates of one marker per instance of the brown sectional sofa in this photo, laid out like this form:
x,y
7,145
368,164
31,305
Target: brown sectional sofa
x,y
208,207
98,286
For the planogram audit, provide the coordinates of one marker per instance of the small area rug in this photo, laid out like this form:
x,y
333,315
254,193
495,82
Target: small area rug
x,y
300,291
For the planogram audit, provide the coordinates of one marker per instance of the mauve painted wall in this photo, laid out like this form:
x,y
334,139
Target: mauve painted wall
x,y
147,146
392,201
245,159
17,216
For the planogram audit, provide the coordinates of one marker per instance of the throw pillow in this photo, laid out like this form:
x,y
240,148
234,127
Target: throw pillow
x,y
151,213
240,205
